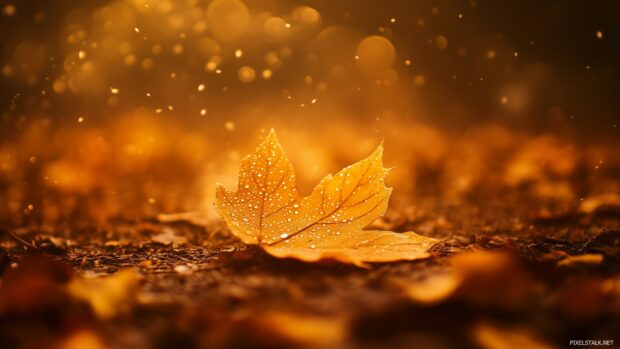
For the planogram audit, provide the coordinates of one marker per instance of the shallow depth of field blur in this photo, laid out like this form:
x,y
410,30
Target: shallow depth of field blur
x,y
131,108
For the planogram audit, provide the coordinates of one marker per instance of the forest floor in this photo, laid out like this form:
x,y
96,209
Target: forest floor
x,y
505,274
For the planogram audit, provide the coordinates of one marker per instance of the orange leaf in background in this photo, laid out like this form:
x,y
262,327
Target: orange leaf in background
x,y
267,211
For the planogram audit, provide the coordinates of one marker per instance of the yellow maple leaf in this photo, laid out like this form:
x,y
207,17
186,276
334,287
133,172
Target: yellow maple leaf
x,y
328,224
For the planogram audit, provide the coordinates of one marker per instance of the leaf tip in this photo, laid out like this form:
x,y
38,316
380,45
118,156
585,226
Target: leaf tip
x,y
379,151
271,139
219,190
272,133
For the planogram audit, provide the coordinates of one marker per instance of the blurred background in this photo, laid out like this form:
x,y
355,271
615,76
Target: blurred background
x,y
131,108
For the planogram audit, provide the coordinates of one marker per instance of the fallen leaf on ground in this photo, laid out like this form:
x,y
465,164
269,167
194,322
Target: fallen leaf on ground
x,y
484,278
432,290
593,203
494,337
108,296
310,331
169,236
195,218
84,339
582,259
36,285
328,224
588,297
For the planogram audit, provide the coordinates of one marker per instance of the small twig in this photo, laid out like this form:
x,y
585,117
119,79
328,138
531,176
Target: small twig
x,y
22,241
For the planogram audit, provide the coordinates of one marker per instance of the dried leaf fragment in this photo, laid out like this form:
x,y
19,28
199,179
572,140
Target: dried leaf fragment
x,y
306,330
327,224
490,336
583,259
492,279
108,296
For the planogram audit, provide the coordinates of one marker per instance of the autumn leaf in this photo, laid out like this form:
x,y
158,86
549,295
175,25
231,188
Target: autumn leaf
x,y
267,211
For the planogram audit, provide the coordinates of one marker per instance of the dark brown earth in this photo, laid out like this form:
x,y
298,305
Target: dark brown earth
x,y
212,291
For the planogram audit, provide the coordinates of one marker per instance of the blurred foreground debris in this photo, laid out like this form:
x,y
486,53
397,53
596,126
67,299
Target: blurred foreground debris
x,y
494,281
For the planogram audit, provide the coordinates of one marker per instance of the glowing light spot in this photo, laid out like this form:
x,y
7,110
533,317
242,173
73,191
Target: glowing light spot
x,y
130,59
147,64
376,54
228,20
80,120
229,126
306,15
199,27
599,34
441,42
246,74
81,55
273,59
9,10
275,28
504,100
157,49
201,87
267,73
238,53
114,90
59,85
419,80
7,70
203,112
283,236
491,54
177,49
213,63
